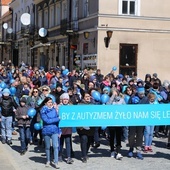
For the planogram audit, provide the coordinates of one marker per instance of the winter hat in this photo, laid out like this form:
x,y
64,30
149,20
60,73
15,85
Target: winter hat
x,y
92,78
59,85
155,75
6,92
141,89
120,76
64,96
23,99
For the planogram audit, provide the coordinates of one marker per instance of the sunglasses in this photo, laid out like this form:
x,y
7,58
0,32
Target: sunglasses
x,y
35,91
44,89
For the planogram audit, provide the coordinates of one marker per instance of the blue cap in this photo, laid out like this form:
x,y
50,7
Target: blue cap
x,y
141,89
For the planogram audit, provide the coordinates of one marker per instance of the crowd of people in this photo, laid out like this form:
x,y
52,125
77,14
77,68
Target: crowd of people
x,y
24,87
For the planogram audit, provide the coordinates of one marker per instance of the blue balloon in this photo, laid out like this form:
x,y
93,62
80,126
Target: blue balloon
x,y
135,100
3,85
104,98
31,112
96,95
37,126
65,72
12,90
52,97
106,88
12,81
114,68
126,98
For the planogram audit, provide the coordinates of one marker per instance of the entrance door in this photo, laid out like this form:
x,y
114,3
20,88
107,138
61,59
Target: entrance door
x,y
128,58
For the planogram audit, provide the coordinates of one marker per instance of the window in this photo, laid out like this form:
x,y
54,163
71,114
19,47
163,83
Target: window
x,y
75,10
46,18
51,19
85,8
57,16
129,7
39,19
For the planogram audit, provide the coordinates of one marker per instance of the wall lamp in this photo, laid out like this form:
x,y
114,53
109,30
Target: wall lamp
x,y
107,39
86,36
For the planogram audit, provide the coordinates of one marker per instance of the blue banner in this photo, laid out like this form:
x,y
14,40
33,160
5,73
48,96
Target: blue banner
x,y
114,115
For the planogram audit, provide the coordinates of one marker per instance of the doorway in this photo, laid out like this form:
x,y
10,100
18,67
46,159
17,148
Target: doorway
x,y
128,59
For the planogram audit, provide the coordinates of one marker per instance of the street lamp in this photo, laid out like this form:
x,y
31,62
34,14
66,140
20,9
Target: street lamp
x,y
86,36
107,39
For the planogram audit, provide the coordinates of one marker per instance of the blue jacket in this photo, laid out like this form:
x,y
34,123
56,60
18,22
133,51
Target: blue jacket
x,y
50,120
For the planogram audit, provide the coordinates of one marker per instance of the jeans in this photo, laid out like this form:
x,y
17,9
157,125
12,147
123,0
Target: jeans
x,y
68,141
55,141
125,132
148,135
85,142
115,132
96,135
6,127
136,136
24,137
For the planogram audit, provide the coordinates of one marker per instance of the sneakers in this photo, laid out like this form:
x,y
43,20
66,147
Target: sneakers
x,y
47,164
3,141
69,161
84,160
112,154
9,142
130,154
150,149
146,149
22,152
97,145
139,156
14,133
119,156
60,159
56,166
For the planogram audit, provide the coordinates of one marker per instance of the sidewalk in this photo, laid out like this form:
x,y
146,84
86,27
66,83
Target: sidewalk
x,y
99,159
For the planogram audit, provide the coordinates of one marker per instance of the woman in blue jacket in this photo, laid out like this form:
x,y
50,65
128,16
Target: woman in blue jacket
x,y
50,129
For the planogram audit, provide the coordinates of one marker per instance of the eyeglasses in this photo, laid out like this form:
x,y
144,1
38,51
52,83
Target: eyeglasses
x,y
44,89
35,91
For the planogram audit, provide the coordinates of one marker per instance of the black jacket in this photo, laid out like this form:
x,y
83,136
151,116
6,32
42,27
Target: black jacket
x,y
7,105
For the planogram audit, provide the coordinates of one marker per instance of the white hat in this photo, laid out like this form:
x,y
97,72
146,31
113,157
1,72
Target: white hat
x,y
64,96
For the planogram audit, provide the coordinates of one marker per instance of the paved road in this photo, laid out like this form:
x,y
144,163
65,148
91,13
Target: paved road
x,y
99,159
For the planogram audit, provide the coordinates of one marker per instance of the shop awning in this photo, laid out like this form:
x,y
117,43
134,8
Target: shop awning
x,y
40,45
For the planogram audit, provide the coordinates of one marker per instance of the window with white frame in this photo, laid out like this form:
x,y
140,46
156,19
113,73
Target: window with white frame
x,y
57,15
129,7
85,8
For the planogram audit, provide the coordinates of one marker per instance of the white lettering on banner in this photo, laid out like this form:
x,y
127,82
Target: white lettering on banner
x,y
166,114
123,115
115,115
155,115
138,115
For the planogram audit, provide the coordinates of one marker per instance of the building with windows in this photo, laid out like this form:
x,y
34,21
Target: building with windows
x,y
132,35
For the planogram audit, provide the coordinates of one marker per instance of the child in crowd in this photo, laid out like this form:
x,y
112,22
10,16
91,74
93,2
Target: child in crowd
x,y
23,124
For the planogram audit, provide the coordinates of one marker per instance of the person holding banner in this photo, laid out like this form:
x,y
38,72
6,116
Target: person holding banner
x,y
66,134
116,99
136,132
50,129
148,132
86,134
